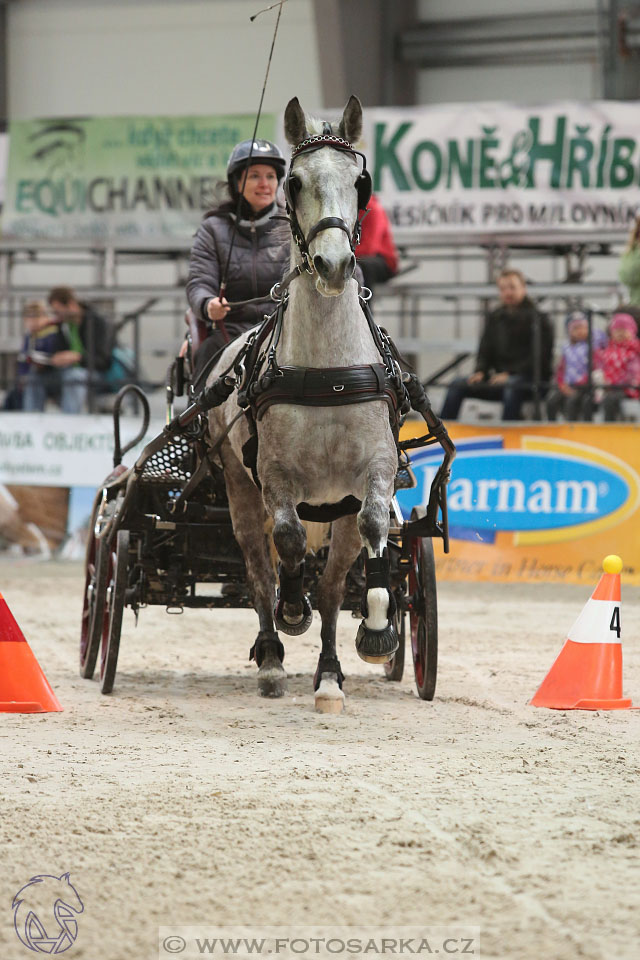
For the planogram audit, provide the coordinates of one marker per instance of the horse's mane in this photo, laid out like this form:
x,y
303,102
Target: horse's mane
x,y
315,125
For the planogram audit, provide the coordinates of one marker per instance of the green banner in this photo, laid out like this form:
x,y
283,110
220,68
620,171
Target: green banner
x,y
118,178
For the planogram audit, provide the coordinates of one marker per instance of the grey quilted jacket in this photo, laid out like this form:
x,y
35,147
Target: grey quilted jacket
x,y
260,257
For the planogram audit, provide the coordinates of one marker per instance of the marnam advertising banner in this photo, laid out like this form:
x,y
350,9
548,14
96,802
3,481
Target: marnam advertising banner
x,y
482,168
536,503
530,503
126,178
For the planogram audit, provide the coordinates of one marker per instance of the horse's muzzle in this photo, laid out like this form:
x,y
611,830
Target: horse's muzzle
x,y
333,274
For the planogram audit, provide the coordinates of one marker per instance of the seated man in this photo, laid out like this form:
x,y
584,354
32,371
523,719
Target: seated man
x,y
87,356
515,335
46,369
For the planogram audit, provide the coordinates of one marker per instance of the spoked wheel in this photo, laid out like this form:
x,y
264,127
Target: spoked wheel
x,y
423,612
395,667
95,589
114,607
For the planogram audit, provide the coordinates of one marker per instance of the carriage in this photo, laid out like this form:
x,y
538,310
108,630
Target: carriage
x,y
150,544
322,444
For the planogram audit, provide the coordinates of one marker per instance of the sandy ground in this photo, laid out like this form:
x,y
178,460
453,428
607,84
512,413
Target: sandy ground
x,y
185,799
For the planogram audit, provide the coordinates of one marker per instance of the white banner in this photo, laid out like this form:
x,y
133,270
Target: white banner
x,y
58,450
492,168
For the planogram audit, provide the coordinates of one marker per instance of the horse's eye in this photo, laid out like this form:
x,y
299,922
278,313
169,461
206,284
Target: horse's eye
x,y
294,185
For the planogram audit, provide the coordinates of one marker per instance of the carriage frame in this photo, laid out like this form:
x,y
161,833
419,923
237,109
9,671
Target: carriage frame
x,y
160,534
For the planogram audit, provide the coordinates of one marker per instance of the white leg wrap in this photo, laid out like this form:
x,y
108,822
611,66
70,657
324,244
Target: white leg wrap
x,y
378,606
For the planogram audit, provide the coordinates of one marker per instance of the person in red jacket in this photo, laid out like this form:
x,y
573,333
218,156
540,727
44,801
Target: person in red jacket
x,y
376,253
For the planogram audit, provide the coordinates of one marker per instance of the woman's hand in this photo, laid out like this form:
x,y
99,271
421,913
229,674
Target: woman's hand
x,y
217,309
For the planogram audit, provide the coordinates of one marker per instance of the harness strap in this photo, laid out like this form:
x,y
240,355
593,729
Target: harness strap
x,y
328,512
324,387
326,224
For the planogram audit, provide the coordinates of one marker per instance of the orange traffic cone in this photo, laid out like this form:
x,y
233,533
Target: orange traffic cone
x,y
23,686
587,674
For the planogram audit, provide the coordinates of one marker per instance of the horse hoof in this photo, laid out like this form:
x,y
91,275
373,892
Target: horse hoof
x,y
272,679
290,620
329,698
376,646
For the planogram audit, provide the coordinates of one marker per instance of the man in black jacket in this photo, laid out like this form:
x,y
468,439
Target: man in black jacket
x,y
83,357
516,344
91,337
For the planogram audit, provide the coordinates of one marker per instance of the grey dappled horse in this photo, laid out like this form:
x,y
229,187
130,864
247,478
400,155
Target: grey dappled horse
x,y
311,454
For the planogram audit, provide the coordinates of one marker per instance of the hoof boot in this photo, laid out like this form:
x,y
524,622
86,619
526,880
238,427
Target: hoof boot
x,y
293,624
376,646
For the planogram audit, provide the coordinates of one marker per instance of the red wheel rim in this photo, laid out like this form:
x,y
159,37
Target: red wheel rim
x,y
416,615
106,613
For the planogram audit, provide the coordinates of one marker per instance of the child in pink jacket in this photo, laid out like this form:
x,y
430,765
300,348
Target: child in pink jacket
x,y
620,363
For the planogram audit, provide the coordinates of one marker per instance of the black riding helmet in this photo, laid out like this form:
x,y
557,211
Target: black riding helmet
x,y
263,151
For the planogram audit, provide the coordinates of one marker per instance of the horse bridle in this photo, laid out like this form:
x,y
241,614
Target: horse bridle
x,y
291,185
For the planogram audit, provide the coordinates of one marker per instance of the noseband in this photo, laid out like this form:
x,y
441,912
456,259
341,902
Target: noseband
x,y
362,185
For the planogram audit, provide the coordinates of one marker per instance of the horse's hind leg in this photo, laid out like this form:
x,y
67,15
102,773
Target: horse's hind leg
x,y
345,546
248,517
377,639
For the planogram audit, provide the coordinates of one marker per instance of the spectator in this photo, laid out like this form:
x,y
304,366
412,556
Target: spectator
x,y
572,374
89,335
516,344
260,251
376,253
42,338
629,268
44,369
620,362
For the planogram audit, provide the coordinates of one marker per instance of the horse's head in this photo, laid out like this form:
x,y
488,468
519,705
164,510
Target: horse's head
x,y
325,189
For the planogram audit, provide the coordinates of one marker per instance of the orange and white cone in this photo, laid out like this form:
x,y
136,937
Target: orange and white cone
x,y
587,674
23,686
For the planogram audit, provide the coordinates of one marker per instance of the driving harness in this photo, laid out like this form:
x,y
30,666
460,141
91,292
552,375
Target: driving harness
x,y
261,382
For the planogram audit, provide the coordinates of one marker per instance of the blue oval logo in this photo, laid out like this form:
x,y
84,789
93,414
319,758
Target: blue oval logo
x,y
519,491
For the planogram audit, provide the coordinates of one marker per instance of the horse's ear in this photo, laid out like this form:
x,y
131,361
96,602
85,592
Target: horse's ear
x,y
295,124
351,123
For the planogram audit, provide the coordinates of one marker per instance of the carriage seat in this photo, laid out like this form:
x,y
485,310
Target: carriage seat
x,y
197,330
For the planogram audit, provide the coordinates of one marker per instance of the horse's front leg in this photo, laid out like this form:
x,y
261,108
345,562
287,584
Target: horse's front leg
x,y
248,518
377,639
292,611
344,549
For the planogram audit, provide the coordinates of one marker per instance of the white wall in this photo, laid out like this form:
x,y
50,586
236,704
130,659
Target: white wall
x,y
520,84
90,57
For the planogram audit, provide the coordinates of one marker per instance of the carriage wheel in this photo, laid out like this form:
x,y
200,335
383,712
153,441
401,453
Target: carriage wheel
x,y
112,622
395,667
423,613
95,589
